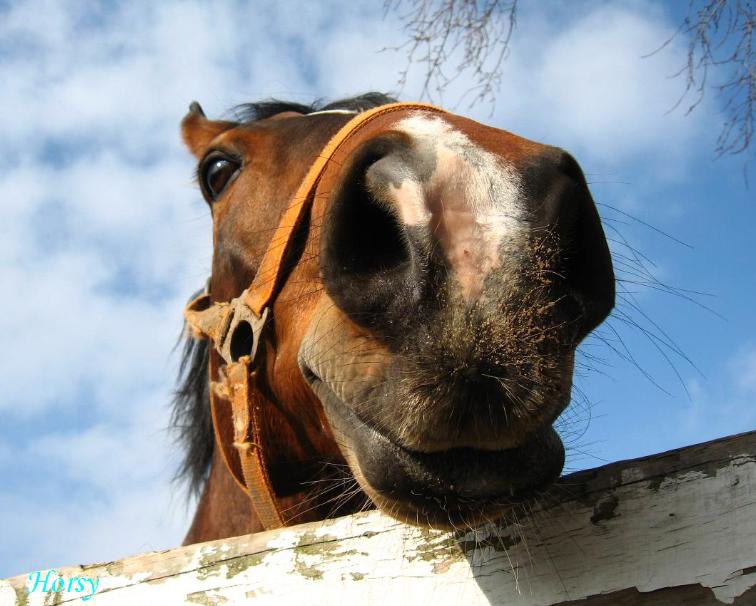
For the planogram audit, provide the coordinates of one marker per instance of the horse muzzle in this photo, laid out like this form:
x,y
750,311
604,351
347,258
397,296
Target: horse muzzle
x,y
448,488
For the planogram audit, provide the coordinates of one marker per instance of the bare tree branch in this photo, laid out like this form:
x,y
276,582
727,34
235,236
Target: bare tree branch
x,y
438,30
720,36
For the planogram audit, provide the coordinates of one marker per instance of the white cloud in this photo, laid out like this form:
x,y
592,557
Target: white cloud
x,y
597,81
723,406
586,86
97,491
62,531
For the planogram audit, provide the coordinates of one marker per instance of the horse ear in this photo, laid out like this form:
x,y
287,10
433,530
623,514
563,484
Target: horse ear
x,y
197,131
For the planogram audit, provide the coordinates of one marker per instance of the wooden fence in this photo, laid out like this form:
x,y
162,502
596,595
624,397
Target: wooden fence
x,y
670,529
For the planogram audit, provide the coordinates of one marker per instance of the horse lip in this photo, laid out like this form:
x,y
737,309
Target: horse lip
x,y
330,398
334,405
467,476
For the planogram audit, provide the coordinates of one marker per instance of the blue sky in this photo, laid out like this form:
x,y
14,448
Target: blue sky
x,y
104,235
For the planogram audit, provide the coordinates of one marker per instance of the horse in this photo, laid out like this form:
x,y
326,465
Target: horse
x,y
431,279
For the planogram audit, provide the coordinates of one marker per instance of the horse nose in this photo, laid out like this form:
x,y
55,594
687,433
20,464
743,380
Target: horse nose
x,y
561,204
370,262
410,229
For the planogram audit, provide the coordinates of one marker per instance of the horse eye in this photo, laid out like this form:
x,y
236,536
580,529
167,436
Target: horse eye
x,y
216,173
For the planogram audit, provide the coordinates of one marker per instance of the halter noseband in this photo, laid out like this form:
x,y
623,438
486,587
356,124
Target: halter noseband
x,y
229,325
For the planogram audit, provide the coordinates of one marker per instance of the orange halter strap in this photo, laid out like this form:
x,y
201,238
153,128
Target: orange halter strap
x,y
230,325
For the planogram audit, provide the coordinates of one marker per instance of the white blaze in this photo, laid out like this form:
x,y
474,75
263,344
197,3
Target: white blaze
x,y
471,202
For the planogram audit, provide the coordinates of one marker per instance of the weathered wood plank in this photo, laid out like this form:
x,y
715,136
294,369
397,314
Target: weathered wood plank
x,y
675,528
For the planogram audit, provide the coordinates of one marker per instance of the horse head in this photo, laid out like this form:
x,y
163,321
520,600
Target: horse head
x,y
432,299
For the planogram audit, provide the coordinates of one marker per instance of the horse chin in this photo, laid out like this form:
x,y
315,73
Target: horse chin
x,y
458,487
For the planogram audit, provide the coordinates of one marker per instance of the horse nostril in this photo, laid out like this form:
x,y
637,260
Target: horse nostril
x,y
368,260
364,237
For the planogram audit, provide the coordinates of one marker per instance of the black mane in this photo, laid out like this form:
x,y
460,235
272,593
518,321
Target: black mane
x,y
249,112
191,420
